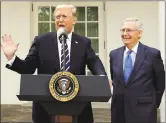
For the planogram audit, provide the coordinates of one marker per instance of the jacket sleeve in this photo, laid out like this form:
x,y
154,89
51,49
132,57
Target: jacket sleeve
x,y
94,63
159,75
110,61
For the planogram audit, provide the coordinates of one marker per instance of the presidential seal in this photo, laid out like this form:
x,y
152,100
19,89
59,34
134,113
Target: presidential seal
x,y
63,86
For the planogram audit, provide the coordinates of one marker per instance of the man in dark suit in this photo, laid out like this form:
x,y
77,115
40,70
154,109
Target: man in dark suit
x,y
45,55
138,78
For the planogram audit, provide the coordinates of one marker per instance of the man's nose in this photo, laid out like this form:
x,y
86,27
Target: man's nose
x,y
125,33
61,18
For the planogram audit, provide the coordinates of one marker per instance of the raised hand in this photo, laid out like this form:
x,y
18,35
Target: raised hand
x,y
8,46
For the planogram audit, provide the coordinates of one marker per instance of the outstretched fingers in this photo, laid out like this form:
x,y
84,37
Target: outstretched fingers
x,y
10,38
6,39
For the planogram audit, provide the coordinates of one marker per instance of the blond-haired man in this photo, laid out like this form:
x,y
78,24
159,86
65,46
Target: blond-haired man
x,y
45,55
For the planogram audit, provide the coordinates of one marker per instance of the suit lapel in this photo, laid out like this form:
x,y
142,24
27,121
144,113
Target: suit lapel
x,y
74,52
56,52
138,61
120,63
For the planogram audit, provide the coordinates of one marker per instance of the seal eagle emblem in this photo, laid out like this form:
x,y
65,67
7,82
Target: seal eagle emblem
x,y
63,86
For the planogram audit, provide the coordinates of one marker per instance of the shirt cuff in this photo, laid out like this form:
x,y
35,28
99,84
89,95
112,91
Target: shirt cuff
x,y
10,62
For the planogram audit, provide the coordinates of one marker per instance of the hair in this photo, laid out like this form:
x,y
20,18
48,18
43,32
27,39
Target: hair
x,y
137,21
73,8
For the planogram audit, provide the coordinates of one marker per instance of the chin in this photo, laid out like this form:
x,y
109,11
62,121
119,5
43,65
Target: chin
x,y
126,42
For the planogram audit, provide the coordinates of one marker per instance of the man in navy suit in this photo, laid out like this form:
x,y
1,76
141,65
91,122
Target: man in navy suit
x,y
138,78
45,55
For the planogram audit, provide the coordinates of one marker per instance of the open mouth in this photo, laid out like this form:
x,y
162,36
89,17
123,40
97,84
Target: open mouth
x,y
61,25
126,37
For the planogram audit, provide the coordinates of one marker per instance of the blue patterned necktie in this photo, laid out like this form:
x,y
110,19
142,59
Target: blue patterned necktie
x,y
65,61
127,66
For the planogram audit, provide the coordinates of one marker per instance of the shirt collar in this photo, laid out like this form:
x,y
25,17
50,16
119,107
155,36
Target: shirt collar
x,y
134,49
69,36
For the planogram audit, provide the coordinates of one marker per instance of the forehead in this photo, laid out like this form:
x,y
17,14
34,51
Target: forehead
x,y
64,11
129,24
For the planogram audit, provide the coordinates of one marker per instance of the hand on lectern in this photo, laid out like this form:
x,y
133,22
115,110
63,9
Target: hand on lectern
x,y
110,82
8,46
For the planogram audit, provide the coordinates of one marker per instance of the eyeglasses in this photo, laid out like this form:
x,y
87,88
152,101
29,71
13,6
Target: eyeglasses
x,y
127,30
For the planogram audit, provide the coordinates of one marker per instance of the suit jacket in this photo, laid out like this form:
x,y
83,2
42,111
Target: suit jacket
x,y
137,101
44,56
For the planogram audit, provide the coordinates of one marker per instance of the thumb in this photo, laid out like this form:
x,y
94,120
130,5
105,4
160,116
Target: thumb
x,y
17,45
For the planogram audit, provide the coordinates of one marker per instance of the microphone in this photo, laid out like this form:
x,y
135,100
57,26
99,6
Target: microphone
x,y
62,34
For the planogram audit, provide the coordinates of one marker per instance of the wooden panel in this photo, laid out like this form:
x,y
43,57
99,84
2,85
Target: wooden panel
x,y
62,119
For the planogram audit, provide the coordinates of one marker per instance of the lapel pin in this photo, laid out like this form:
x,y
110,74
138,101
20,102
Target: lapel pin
x,y
76,42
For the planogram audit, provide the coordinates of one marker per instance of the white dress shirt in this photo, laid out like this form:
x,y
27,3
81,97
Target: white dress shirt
x,y
68,41
133,54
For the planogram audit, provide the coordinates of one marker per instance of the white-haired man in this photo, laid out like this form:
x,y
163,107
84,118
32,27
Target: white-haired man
x,y
138,76
45,55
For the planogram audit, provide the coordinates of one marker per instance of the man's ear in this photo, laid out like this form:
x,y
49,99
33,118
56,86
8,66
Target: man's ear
x,y
140,34
74,20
